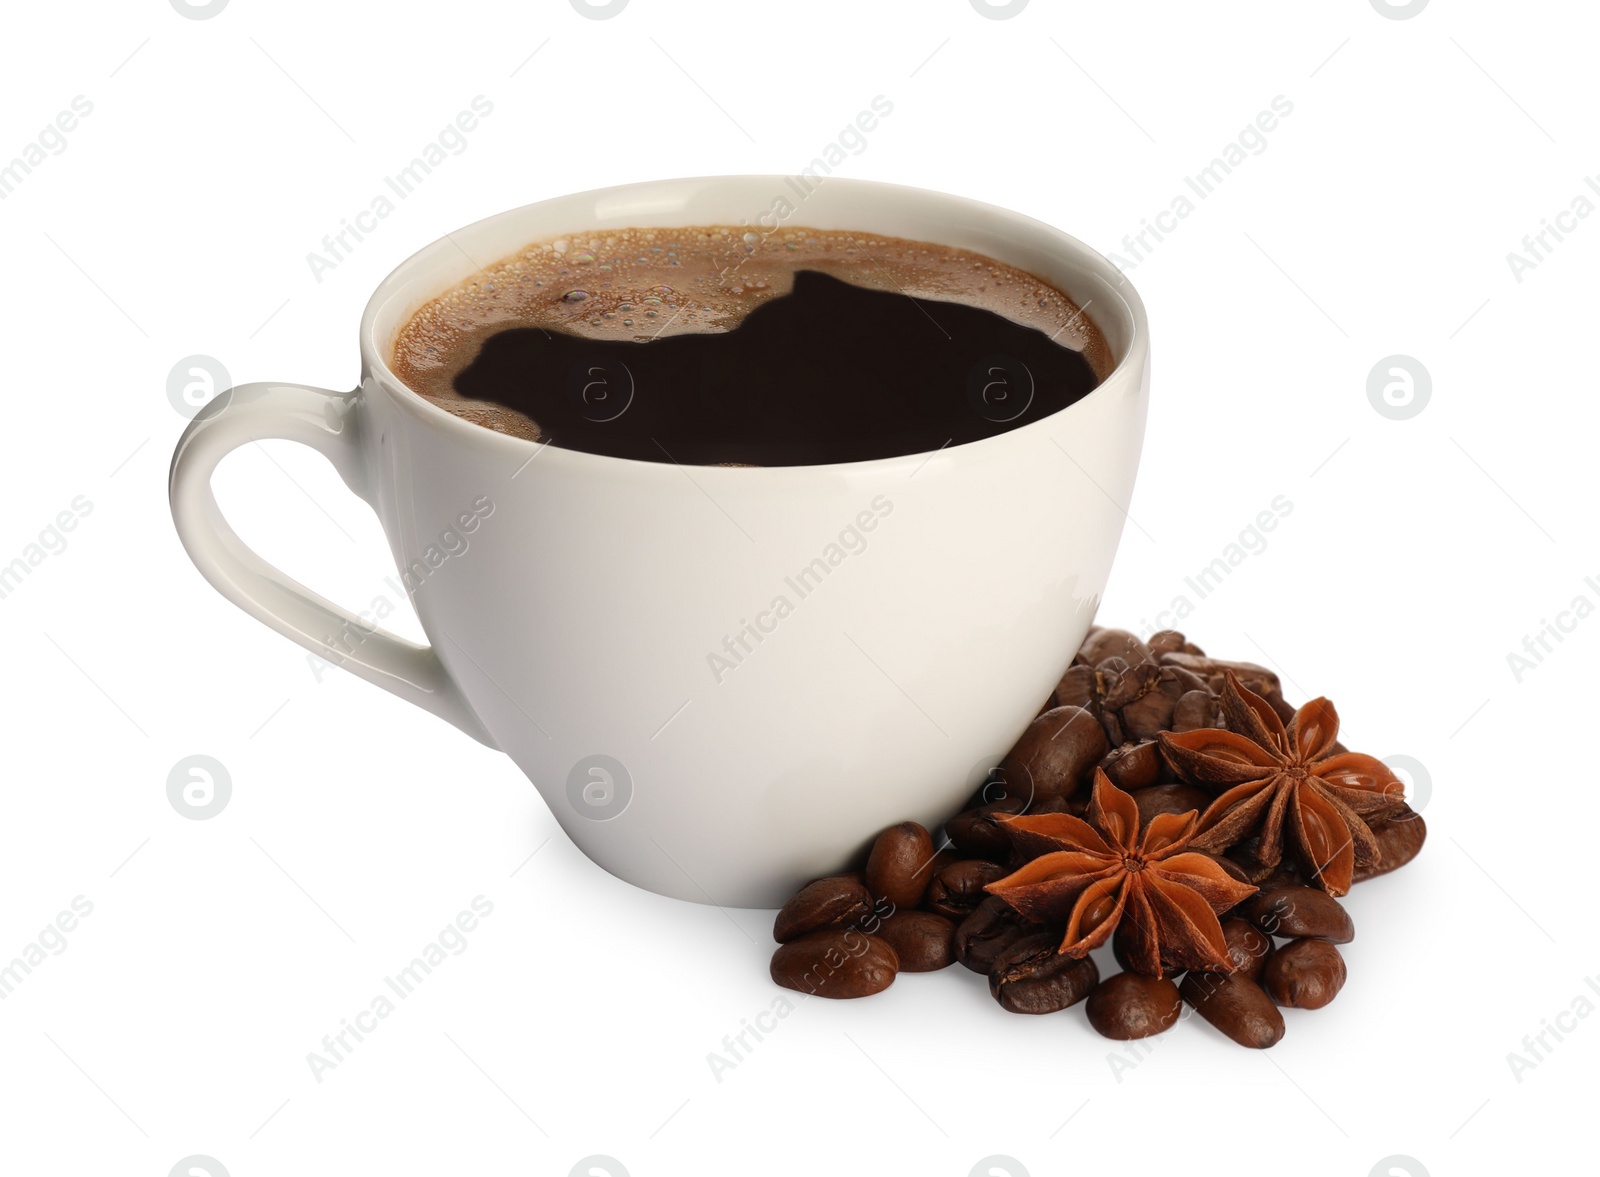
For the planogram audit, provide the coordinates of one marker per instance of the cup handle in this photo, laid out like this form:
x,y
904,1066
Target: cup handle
x,y
329,423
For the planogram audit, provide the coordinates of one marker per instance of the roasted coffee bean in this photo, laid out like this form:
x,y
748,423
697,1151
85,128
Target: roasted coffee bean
x,y
836,962
1235,872
1304,974
1129,1005
1159,799
872,922
1125,682
1078,687
1236,1005
897,868
1214,671
1399,840
1056,752
1122,950
1182,681
1143,699
921,940
1248,946
1285,874
1146,716
1286,711
991,928
1238,875
1300,911
949,856
974,833
1282,875
1033,976
1244,855
1108,643
1170,641
959,887
826,903
1134,766
1196,709
1001,794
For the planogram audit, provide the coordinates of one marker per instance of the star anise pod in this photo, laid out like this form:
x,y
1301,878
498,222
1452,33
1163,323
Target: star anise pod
x,y
1275,775
1100,873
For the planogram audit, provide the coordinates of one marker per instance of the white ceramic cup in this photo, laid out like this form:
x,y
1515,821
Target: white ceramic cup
x,y
614,625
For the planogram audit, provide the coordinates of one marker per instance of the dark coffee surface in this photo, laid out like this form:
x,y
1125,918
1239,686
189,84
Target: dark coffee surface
x,y
829,372
750,345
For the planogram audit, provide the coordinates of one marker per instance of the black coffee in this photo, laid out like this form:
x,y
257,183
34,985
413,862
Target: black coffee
x,y
857,348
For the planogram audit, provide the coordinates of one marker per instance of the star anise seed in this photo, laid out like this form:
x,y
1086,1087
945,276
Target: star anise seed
x,y
1100,873
1274,775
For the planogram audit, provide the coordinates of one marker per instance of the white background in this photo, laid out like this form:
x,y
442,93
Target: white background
x,y
1418,554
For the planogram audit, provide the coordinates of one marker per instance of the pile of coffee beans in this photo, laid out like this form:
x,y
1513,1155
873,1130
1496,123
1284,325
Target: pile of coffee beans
x,y
920,903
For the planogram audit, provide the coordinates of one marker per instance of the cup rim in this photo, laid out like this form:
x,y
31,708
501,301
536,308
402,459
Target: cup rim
x,y
1130,362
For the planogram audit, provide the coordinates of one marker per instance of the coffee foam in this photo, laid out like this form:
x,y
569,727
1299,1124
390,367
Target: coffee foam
x,y
643,284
